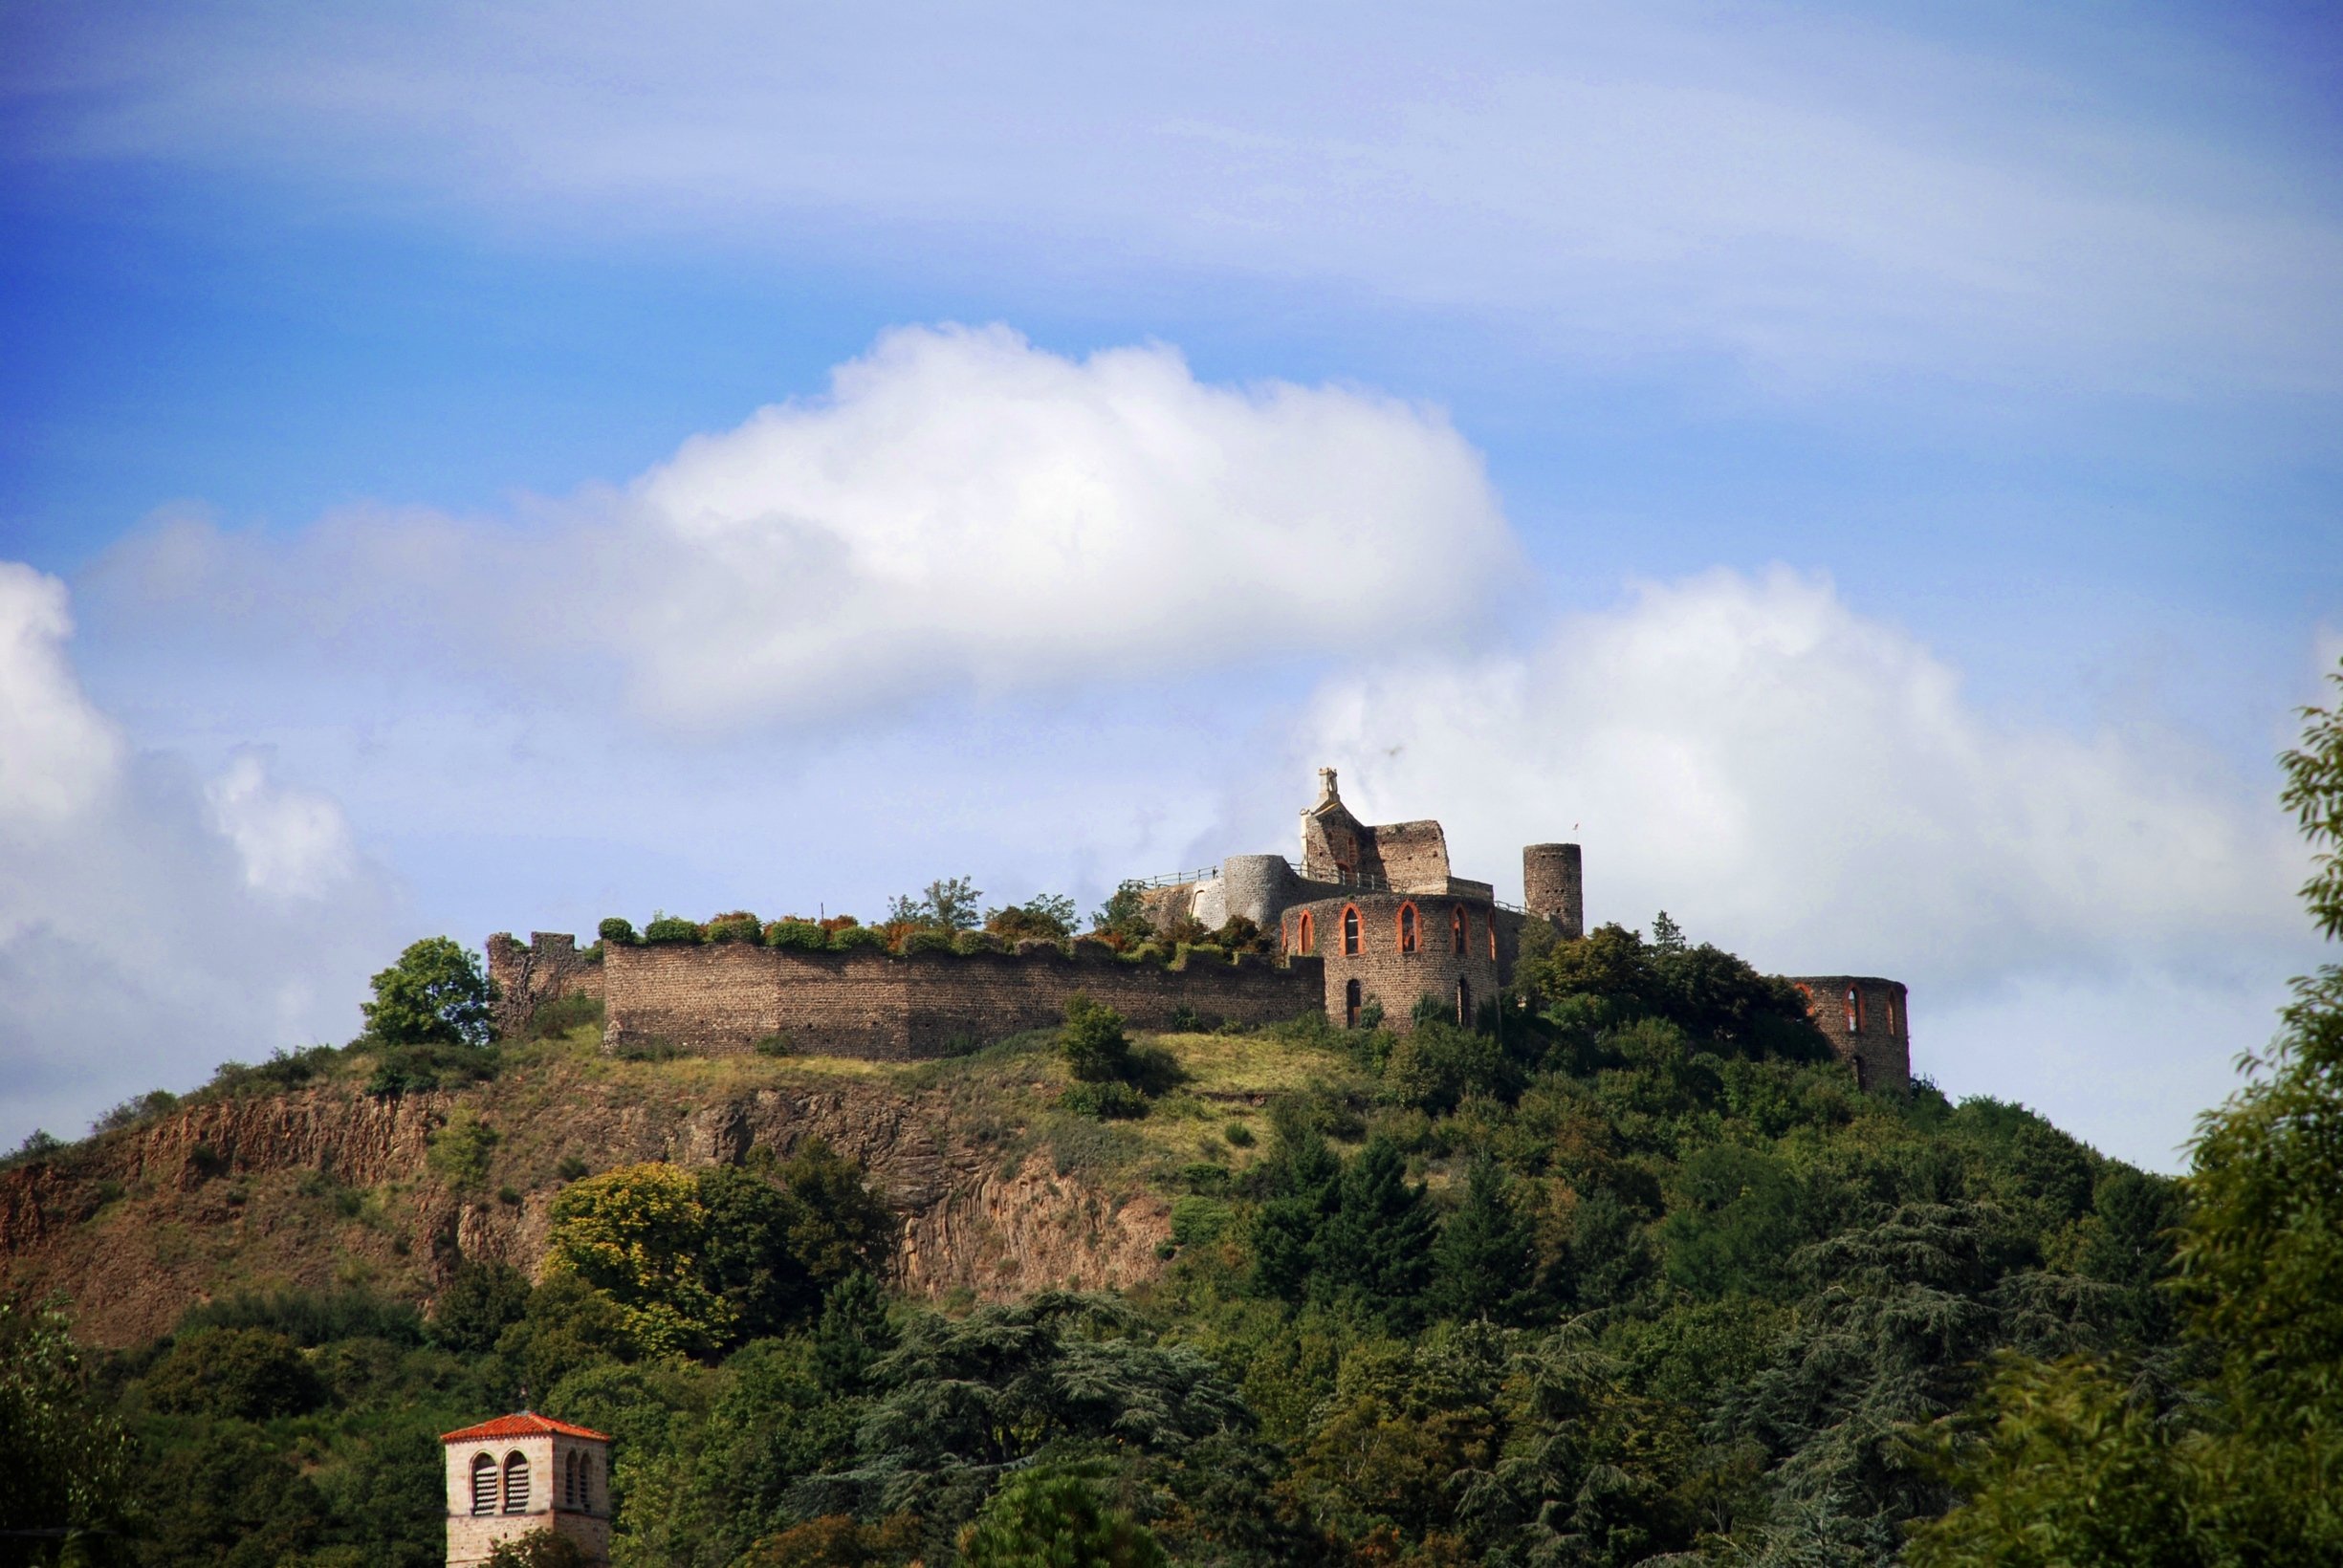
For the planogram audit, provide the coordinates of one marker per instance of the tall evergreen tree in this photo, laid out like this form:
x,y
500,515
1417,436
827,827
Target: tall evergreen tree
x,y
1378,1247
1484,1264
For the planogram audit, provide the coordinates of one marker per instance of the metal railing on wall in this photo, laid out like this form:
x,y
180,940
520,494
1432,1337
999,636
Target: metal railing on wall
x,y
1173,878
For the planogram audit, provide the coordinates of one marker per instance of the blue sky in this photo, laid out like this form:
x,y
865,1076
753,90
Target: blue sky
x,y
1875,471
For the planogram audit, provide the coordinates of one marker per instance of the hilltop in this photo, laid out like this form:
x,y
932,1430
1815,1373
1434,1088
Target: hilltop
x,y
1643,1250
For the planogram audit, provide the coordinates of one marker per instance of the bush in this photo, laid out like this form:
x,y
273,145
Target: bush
x,y
847,939
739,925
976,942
928,942
673,929
562,1013
571,1167
619,929
130,1111
1095,1048
459,1150
773,1045
248,1373
797,935
1106,1101
1043,1517
541,1548
1238,1135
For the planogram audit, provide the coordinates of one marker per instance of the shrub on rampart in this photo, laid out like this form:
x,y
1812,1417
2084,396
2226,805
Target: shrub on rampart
x,y
797,935
618,928
847,939
926,942
672,928
739,925
976,942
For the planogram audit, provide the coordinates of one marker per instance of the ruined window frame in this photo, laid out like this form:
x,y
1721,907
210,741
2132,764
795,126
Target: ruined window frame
x,y
1354,931
1305,935
1459,930
1409,928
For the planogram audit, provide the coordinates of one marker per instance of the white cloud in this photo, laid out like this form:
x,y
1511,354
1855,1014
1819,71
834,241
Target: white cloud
x,y
964,511
56,751
1809,786
150,927
1803,192
294,843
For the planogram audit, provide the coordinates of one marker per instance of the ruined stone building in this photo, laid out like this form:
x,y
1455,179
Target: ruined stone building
x,y
1371,919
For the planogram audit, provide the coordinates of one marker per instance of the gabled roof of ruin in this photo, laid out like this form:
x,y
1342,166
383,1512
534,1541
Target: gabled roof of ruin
x,y
527,1423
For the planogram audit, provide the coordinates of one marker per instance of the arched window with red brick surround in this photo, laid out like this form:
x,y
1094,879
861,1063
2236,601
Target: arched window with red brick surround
x,y
1407,928
1306,939
1854,1010
1458,927
1492,936
1891,1012
1350,930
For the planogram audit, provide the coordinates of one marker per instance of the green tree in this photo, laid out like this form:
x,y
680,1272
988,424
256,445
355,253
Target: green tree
x,y
638,1236
435,995
837,1226
1057,1518
246,1372
2087,1462
1484,1264
948,903
478,1303
1377,1246
65,1462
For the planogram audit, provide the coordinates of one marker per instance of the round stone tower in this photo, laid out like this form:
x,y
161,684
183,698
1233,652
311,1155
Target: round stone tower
x,y
1868,1021
1553,885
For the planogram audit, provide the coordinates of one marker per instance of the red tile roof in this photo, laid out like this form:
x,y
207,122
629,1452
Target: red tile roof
x,y
527,1423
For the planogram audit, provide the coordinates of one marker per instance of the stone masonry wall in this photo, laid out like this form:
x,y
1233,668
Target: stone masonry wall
x,y
472,1536
1878,1046
728,996
527,978
1395,978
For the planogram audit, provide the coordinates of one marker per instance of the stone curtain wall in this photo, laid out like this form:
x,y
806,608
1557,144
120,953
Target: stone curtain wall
x,y
728,997
1879,1048
527,978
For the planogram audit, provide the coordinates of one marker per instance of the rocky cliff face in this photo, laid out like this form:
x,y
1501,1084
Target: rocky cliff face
x,y
327,1187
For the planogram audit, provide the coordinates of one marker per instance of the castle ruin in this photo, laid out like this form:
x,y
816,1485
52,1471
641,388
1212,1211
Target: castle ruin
x,y
1371,920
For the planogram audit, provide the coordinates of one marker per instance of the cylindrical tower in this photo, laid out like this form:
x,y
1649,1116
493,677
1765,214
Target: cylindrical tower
x,y
1553,885
1868,1022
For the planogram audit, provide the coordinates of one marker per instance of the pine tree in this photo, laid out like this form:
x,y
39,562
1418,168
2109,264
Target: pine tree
x,y
1484,1264
1378,1243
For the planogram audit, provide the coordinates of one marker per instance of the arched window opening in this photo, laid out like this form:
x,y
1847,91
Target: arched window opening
x,y
515,1483
1891,1012
1407,928
1350,930
1464,1003
483,1484
1306,939
1351,1005
1492,936
1854,1010
1457,929
570,1463
1859,1084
